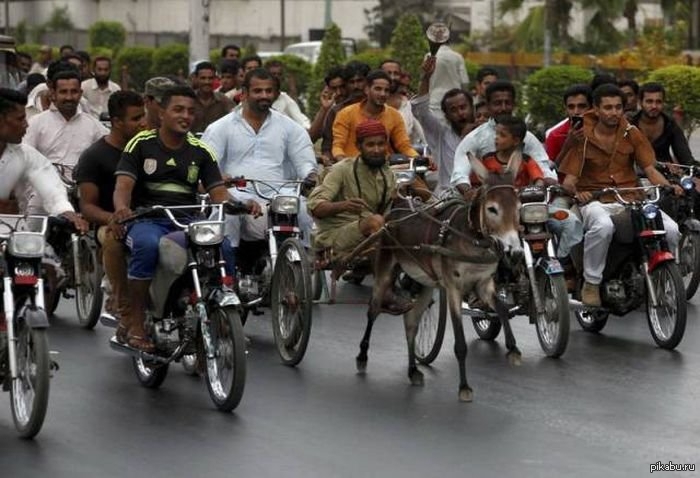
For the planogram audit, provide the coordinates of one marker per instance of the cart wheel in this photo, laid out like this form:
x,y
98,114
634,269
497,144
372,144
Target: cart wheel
x,y
431,328
291,302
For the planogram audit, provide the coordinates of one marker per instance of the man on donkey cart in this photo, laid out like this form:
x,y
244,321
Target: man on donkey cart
x,y
350,204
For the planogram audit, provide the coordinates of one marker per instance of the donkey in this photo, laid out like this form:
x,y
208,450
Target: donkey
x,y
455,245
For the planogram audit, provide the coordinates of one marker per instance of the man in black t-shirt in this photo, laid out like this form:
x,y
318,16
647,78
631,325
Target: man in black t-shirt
x,y
165,167
95,177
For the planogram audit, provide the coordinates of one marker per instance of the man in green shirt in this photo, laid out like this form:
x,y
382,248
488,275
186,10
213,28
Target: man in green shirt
x,y
349,205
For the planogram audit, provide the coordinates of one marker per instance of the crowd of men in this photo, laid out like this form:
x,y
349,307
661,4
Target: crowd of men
x,y
250,127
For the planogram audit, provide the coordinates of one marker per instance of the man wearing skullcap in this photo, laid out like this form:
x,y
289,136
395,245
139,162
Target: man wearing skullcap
x,y
349,205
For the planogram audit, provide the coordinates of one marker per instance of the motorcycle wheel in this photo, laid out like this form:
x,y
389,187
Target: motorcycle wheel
x,y
150,375
592,320
667,322
291,302
30,391
431,328
689,252
226,372
553,328
88,296
486,329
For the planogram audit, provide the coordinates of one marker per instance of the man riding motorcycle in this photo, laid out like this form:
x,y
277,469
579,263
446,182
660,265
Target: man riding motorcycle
x,y
160,167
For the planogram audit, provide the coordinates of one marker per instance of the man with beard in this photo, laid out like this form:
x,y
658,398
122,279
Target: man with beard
x,y
64,131
400,102
590,166
630,90
355,82
560,138
458,110
350,204
258,142
99,88
210,106
96,181
159,167
373,107
333,93
662,131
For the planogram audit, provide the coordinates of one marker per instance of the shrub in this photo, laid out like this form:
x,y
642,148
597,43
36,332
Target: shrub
x,y
171,60
544,89
215,56
409,45
472,69
138,60
31,49
682,84
106,34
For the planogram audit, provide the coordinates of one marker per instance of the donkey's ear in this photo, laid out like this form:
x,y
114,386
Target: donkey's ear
x,y
514,163
478,167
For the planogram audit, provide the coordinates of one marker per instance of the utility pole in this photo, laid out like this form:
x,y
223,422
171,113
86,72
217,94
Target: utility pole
x,y
328,19
283,30
199,30
7,17
547,56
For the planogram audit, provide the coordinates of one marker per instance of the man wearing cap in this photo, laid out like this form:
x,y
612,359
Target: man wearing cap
x,y
350,204
152,96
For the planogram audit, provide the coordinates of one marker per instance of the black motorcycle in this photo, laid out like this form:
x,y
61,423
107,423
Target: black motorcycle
x,y
639,268
25,364
682,210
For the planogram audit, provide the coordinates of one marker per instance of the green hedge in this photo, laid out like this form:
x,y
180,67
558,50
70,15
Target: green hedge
x,y
373,57
138,60
544,90
107,34
171,60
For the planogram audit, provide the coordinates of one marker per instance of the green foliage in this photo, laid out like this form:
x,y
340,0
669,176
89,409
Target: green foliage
x,y
544,90
249,50
472,69
21,32
383,19
31,49
372,57
59,20
682,84
107,34
409,45
296,70
332,54
171,60
215,55
138,60
101,51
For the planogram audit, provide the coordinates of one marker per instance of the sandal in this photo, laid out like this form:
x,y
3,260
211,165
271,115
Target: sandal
x,y
140,343
122,333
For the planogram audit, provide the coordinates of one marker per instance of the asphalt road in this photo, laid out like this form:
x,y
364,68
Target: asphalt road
x,y
611,406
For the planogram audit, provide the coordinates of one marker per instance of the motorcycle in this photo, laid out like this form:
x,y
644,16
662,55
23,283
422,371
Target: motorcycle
x,y
276,271
25,364
193,309
532,283
76,265
639,268
682,210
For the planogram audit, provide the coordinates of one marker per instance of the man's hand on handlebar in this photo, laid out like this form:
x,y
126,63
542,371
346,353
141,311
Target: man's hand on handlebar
x,y
309,182
80,224
678,190
115,223
584,197
254,208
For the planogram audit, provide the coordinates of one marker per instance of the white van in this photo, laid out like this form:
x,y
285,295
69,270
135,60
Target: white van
x,y
310,50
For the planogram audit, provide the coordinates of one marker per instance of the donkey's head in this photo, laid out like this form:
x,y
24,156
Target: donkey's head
x,y
499,207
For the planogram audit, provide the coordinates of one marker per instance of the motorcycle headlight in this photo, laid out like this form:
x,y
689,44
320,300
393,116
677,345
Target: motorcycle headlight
x,y
534,213
285,205
206,233
26,244
650,211
687,183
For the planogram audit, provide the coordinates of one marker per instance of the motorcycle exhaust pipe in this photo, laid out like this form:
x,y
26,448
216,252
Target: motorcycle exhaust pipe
x,y
123,348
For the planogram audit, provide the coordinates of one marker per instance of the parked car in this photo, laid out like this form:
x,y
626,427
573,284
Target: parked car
x,y
311,49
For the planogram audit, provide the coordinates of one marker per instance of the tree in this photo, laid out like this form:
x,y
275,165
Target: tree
x,y
171,60
332,54
409,45
383,19
106,34
138,61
